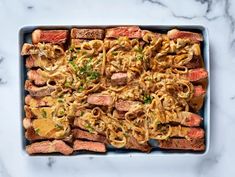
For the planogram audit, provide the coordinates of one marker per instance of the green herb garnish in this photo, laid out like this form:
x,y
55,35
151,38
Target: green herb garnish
x,y
114,53
75,67
82,113
89,128
37,131
60,100
140,57
94,75
80,88
67,84
44,113
58,127
148,99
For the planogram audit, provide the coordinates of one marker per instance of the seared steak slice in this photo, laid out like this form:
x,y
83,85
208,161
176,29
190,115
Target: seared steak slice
x,y
196,74
124,106
39,102
199,91
81,134
50,36
100,99
87,33
183,144
38,91
119,79
27,122
31,135
133,144
188,119
174,34
186,132
89,146
49,147
128,31
34,75
28,49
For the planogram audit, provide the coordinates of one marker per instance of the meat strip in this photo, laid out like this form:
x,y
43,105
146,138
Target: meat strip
x,y
124,106
174,34
39,102
38,91
89,146
189,119
199,91
81,134
28,49
133,144
130,32
119,79
100,100
28,112
36,77
27,123
50,36
186,132
31,62
31,135
49,147
87,33
196,74
183,144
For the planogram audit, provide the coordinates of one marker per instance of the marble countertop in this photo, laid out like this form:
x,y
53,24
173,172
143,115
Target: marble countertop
x,y
217,15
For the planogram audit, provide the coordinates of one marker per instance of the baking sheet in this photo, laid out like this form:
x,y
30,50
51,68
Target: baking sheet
x,y
25,36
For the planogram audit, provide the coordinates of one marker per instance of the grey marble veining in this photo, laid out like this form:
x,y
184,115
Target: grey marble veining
x,y
217,15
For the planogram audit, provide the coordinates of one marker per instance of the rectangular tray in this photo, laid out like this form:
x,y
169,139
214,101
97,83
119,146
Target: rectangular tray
x,y
25,36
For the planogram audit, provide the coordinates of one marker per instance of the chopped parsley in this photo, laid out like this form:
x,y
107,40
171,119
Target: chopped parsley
x,y
82,113
114,53
67,84
89,128
60,100
44,113
140,57
58,127
94,75
75,67
37,131
80,88
148,99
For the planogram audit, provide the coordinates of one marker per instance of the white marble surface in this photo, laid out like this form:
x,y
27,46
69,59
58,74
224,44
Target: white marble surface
x,y
217,15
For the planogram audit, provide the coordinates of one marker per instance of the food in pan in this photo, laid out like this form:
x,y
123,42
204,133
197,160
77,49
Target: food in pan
x,y
122,87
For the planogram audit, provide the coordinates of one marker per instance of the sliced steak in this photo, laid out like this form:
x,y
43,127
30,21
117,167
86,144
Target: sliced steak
x,y
39,102
36,77
81,134
50,36
38,91
31,62
49,147
124,106
199,91
174,34
87,33
27,123
31,135
186,132
89,146
28,49
196,74
133,144
119,79
189,119
183,144
128,31
100,99
28,113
